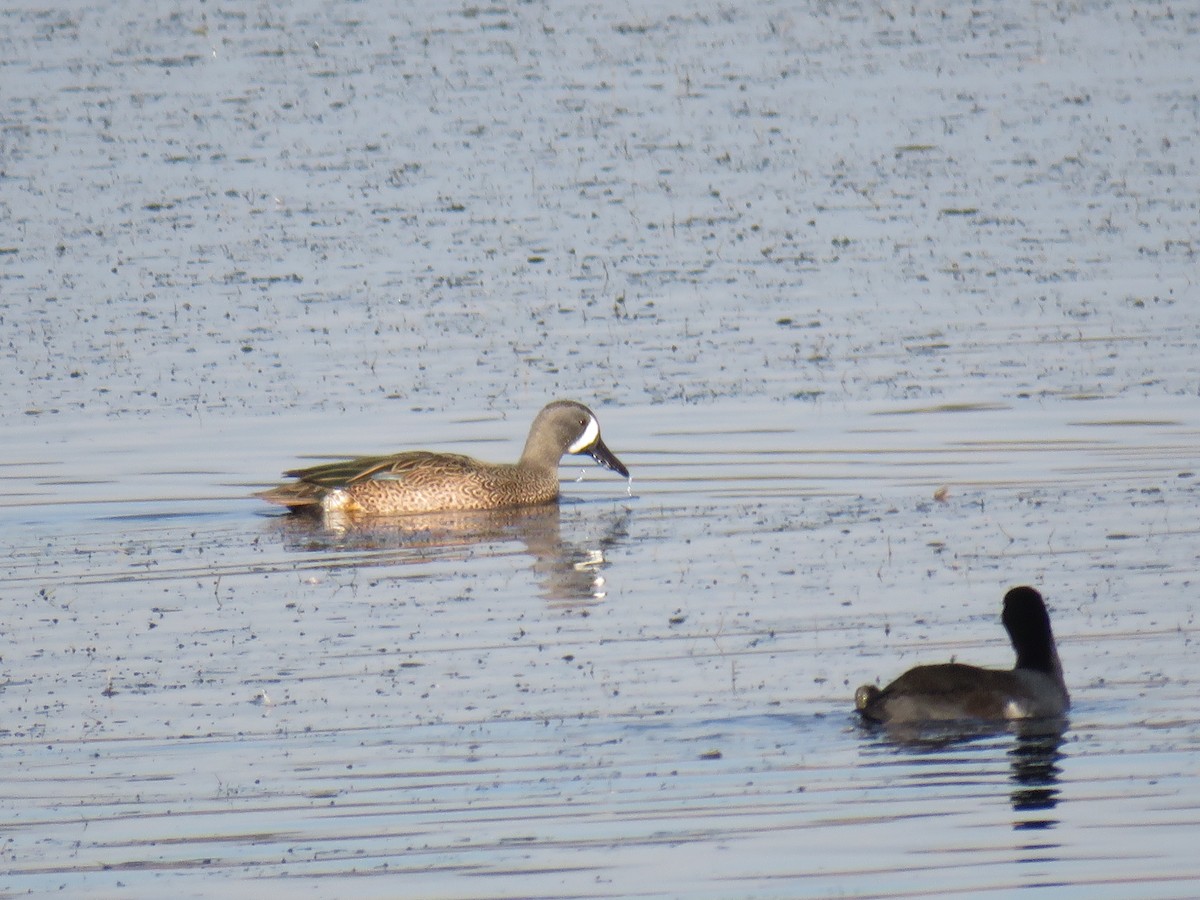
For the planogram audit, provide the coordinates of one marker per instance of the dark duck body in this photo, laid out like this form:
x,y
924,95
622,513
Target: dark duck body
x,y
1032,689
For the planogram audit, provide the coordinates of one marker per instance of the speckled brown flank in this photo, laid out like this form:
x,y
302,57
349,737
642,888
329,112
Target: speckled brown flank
x,y
439,482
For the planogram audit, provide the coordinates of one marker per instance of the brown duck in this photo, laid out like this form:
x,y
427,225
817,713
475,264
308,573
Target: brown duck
x,y
420,481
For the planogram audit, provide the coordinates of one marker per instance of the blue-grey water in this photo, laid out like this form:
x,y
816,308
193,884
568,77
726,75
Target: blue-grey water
x,y
887,309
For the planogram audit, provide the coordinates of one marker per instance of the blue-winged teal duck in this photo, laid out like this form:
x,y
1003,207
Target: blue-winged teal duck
x,y
1034,689
419,481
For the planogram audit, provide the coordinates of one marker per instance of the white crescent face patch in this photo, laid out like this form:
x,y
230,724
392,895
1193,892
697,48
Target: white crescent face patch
x,y
590,433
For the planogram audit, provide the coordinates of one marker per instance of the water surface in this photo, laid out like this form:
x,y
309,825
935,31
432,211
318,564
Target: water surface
x,y
886,310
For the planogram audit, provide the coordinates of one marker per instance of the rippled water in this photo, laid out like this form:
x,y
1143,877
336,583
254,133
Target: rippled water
x,y
886,310
630,694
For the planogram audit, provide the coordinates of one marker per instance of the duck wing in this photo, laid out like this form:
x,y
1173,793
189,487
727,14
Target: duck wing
x,y
313,483
395,467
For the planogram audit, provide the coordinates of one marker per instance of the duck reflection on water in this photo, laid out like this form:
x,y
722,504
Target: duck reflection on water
x,y
570,571
953,752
